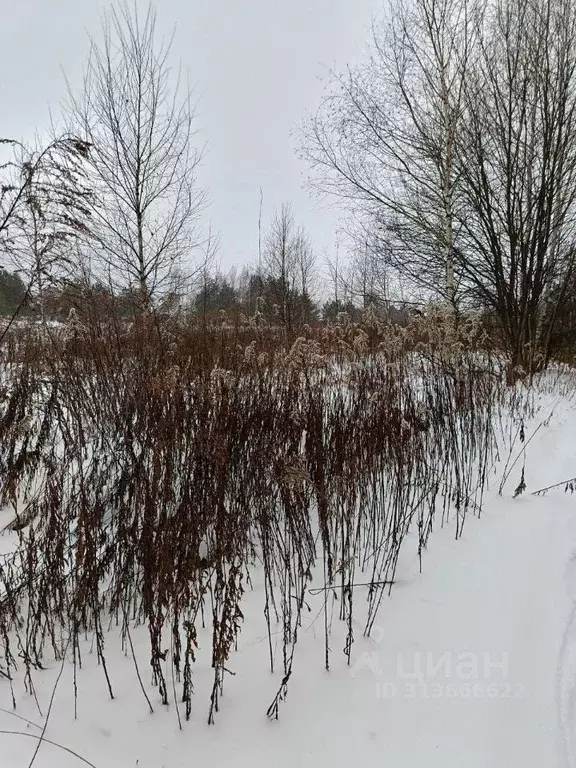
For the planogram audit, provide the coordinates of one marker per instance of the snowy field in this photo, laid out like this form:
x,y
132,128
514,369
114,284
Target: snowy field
x,y
471,663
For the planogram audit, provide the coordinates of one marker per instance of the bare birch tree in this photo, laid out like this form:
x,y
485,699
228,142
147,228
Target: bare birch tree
x,y
385,138
138,123
456,148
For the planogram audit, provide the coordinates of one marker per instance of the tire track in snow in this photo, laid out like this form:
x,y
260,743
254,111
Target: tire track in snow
x,y
566,677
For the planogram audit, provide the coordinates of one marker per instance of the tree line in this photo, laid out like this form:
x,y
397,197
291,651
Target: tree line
x,y
452,147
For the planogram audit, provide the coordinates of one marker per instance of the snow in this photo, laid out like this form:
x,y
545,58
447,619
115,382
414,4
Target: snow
x,y
489,624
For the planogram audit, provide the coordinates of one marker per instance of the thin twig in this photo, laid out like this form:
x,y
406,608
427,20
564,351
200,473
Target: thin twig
x,y
48,741
319,590
564,483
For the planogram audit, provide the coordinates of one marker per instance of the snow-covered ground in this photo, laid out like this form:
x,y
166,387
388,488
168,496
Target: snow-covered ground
x,y
472,663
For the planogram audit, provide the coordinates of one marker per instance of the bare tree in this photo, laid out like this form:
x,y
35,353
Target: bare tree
x,y
306,273
334,276
281,262
456,147
385,139
138,125
517,158
200,284
368,277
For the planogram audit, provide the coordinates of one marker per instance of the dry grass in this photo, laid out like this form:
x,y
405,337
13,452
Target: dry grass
x,y
160,463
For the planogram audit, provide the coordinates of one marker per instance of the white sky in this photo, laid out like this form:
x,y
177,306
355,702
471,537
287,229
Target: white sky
x,y
257,65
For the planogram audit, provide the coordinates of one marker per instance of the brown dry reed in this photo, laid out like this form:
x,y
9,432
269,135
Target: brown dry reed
x,y
154,465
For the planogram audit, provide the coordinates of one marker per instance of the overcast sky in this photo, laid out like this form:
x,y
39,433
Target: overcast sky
x,y
257,66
